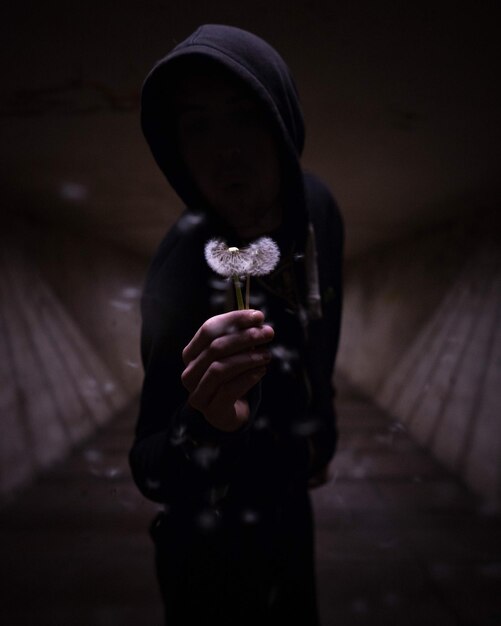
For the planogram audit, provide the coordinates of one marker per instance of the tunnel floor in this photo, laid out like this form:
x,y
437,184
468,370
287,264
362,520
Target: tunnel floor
x,y
399,541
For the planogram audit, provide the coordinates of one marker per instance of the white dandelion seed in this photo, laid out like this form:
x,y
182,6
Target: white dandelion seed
x,y
257,259
230,262
265,255
226,261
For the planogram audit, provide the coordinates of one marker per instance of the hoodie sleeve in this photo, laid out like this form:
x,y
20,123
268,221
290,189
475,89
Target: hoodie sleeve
x,y
177,456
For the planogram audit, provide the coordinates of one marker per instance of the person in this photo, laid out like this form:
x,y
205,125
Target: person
x,y
236,419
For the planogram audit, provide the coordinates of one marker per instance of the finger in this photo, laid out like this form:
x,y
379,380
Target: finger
x,y
221,373
222,348
218,326
227,411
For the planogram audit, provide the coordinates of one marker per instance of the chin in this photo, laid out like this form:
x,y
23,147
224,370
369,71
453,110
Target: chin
x,y
249,217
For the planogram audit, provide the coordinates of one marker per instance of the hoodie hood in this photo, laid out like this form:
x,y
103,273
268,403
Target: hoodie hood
x,y
259,66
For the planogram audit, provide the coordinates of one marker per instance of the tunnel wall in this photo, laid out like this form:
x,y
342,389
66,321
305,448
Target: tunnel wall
x,y
422,337
69,344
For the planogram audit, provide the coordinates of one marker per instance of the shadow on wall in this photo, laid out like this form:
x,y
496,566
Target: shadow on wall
x,y
422,337
69,344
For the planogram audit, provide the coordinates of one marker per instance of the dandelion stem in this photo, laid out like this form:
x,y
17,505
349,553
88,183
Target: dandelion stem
x,y
238,292
247,291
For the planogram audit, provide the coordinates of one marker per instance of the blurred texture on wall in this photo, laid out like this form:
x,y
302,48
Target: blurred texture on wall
x,y
422,336
69,344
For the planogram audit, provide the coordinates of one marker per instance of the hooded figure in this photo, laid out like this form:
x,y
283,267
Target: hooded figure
x,y
234,542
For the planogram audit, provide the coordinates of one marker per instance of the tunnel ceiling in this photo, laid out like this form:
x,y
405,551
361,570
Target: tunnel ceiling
x,y
400,101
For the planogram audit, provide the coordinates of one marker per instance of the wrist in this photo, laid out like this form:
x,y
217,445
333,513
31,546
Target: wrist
x,y
231,419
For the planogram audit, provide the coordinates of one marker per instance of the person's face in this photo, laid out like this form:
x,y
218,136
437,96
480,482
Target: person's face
x,y
228,148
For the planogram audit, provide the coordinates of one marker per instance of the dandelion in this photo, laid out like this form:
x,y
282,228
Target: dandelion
x,y
230,262
264,254
226,261
250,516
257,259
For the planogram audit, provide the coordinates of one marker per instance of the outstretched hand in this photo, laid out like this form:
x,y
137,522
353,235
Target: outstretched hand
x,y
224,360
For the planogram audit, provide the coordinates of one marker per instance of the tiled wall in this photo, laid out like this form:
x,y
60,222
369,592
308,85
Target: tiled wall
x,y
425,342
69,356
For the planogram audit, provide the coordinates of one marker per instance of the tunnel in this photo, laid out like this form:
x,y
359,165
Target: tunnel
x,y
402,118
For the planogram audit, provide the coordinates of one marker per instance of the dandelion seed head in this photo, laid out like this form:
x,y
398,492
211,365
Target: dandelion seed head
x,y
257,259
218,284
205,456
217,300
285,357
152,484
225,261
256,302
74,192
120,305
264,254
109,387
208,520
131,293
93,455
262,423
178,436
188,221
112,472
280,351
250,516
397,427
305,428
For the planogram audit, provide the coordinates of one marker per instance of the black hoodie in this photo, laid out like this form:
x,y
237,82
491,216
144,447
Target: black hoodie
x,y
292,434
248,58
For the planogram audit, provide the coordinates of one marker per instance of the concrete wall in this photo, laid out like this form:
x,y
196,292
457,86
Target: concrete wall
x,y
422,337
69,344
